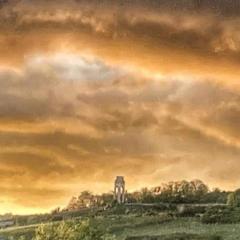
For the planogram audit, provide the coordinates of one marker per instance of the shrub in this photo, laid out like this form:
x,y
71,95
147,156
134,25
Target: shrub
x,y
186,210
71,231
232,200
221,215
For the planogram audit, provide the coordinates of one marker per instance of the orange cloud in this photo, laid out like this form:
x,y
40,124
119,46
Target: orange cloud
x,y
88,94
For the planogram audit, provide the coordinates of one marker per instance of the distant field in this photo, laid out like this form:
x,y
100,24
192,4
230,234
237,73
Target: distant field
x,y
126,226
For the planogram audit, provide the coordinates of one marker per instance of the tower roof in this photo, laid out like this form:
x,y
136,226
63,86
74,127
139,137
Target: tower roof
x,y
119,179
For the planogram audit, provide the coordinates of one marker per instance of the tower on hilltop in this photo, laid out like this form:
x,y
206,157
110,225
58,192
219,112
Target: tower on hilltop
x,y
119,189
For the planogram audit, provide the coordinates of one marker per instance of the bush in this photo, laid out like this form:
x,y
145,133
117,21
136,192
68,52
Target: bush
x,y
71,231
129,222
221,215
142,208
232,200
186,210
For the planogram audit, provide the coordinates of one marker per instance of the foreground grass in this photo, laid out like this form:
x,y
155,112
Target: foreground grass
x,y
17,232
125,226
184,225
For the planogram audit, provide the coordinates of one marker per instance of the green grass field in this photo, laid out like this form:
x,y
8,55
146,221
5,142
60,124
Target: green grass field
x,y
125,226
184,225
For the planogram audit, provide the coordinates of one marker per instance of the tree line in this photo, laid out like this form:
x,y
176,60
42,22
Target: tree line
x,y
176,192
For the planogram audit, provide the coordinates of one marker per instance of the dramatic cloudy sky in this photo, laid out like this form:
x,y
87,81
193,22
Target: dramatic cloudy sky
x,y
93,89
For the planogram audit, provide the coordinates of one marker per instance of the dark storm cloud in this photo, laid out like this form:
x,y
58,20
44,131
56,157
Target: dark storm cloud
x,y
145,126
153,35
90,90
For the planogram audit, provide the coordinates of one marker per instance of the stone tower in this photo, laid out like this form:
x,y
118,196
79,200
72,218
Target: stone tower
x,y
119,189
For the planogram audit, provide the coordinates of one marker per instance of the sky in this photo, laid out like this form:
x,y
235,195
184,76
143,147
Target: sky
x,y
89,90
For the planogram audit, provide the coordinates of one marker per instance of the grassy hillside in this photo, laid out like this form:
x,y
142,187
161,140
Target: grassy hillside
x,y
126,227
184,225
17,232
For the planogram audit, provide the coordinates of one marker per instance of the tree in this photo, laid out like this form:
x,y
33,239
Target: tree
x,y
56,210
200,188
182,191
146,196
106,198
232,200
85,194
73,204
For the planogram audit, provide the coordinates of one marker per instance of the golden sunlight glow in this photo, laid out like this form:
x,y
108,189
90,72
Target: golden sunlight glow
x,y
90,91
